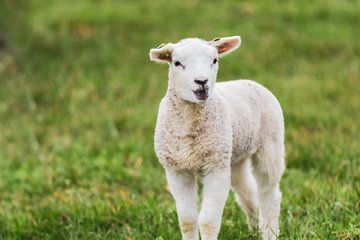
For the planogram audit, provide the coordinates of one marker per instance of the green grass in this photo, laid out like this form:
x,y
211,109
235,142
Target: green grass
x,y
79,97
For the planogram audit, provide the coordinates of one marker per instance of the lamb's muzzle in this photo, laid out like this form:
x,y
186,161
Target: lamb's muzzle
x,y
202,93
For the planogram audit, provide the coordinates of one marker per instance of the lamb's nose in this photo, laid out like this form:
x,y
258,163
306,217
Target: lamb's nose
x,y
201,82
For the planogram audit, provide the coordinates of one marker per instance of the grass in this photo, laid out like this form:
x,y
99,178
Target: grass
x,y
79,97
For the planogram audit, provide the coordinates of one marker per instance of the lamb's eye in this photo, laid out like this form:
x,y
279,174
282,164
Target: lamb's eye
x,y
215,61
177,63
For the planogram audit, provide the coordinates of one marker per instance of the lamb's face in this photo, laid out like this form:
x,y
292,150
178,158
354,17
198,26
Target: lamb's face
x,y
193,65
193,69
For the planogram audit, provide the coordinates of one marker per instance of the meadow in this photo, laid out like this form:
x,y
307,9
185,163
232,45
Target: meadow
x,y
79,98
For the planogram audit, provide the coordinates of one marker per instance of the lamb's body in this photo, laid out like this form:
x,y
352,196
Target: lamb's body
x,y
242,121
240,118
234,138
256,119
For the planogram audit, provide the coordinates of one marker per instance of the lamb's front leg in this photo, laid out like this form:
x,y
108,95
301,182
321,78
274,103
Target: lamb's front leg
x,y
183,186
215,192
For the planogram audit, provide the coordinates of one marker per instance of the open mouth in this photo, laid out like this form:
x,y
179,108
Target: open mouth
x,y
202,93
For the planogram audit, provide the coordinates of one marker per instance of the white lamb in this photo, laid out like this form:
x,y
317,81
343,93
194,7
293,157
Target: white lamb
x,y
230,134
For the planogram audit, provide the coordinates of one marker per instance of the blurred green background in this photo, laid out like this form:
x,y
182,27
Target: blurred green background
x,y
79,98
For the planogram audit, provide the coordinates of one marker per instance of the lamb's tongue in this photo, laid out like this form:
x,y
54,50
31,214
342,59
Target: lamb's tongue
x,y
203,92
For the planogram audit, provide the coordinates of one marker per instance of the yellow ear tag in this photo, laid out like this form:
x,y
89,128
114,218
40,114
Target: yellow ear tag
x,y
164,55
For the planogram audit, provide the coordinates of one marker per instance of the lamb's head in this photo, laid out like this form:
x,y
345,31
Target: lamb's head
x,y
193,64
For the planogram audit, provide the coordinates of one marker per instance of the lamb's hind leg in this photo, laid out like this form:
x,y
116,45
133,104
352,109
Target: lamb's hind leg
x,y
245,188
268,168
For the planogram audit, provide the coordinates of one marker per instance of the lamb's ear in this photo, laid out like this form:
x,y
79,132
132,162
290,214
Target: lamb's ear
x,y
162,54
226,45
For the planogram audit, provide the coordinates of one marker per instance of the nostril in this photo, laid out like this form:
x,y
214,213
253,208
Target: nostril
x,y
201,82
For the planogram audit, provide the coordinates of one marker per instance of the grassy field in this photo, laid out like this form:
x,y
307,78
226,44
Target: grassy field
x,y
79,97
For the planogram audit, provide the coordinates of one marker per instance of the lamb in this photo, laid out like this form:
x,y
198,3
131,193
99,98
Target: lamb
x,y
230,134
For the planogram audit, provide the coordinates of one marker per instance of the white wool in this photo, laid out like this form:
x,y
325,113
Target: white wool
x,y
235,138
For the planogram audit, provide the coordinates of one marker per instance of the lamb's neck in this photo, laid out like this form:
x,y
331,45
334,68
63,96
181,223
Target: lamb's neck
x,y
186,110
